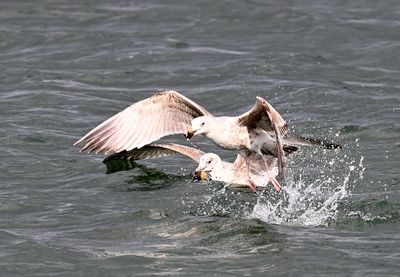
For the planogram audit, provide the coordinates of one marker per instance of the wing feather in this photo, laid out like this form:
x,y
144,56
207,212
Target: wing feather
x,y
263,116
162,114
155,151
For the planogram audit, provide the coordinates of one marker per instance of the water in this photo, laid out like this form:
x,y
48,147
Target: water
x,y
330,67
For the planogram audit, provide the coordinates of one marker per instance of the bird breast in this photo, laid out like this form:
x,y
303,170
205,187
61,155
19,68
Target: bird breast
x,y
231,136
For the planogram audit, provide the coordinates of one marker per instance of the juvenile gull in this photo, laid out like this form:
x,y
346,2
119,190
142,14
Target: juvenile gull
x,y
210,166
260,130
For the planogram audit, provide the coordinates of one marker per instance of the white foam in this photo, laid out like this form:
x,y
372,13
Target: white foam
x,y
304,202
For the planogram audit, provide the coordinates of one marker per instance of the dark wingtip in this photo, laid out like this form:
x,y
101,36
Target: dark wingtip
x,y
289,149
323,143
331,145
337,146
120,156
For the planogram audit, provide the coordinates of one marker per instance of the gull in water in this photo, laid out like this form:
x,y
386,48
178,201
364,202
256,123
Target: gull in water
x,y
210,166
261,130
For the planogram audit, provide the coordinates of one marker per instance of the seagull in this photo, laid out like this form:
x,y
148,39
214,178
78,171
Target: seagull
x,y
261,130
210,165
239,172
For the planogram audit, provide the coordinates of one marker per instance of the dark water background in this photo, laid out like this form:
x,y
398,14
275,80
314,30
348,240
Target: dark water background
x,y
330,67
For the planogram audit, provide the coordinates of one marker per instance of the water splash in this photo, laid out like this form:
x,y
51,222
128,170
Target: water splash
x,y
304,201
321,188
313,194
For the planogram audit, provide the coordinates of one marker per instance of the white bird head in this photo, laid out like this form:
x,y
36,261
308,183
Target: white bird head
x,y
209,162
200,126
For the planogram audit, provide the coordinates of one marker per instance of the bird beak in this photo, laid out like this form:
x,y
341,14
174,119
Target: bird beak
x,y
190,133
201,175
199,169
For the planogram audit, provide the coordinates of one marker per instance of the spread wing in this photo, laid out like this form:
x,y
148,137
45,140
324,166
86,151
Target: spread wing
x,y
264,116
162,114
155,151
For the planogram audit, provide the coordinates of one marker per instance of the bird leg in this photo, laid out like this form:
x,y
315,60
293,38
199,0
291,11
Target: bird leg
x,y
274,182
271,176
251,184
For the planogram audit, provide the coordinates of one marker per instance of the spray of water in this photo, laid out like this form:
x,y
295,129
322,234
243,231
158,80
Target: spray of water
x,y
312,201
316,185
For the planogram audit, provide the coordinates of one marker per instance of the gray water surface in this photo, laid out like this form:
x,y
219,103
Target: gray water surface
x,y
331,68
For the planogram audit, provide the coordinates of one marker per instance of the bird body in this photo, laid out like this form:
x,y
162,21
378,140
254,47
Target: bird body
x,y
170,112
210,165
236,173
259,131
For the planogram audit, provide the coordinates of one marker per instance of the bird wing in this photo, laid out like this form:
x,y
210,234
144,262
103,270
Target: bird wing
x,y
298,140
162,114
263,116
155,151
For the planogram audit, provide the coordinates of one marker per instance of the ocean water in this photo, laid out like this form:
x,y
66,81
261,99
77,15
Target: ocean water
x,y
331,68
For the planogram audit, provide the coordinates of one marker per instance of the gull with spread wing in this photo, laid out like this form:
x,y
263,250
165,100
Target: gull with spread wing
x,y
260,130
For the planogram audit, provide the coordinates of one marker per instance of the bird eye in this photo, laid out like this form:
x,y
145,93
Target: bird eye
x,y
202,124
209,161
